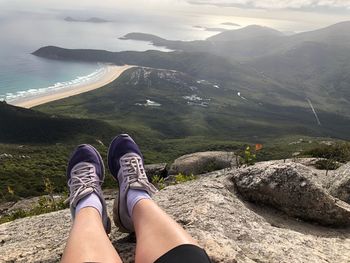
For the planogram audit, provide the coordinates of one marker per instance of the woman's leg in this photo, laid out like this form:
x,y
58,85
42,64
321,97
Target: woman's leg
x,y
156,232
88,241
157,235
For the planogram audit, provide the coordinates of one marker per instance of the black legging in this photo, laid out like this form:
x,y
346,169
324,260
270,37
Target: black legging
x,y
185,254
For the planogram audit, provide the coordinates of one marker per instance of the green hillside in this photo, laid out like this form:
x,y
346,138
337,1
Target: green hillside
x,y
260,62
27,126
174,121
35,145
310,65
246,86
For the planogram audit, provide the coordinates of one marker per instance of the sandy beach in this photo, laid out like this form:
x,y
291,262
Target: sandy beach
x,y
112,73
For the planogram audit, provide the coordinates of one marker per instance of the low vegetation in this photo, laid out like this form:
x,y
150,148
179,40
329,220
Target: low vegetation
x,y
24,167
45,205
327,164
338,152
182,178
331,156
158,182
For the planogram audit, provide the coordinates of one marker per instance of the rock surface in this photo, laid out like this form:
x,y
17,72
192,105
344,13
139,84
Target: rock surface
x,y
203,162
321,177
339,186
290,187
230,229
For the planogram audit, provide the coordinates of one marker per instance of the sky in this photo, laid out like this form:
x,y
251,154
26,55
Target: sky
x,y
310,5
264,4
284,15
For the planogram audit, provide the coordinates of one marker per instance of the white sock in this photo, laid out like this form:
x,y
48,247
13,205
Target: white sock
x,y
133,197
91,200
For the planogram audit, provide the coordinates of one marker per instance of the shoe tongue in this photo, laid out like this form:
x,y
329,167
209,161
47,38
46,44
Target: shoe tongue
x,y
82,194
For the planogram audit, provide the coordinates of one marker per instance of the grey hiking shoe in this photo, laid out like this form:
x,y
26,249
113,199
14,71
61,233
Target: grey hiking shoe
x,y
85,174
126,165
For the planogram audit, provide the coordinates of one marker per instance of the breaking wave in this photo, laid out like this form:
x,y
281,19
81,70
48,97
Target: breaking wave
x,y
77,82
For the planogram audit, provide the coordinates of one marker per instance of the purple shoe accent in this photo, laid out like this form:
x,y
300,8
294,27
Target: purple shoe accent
x,y
120,146
86,153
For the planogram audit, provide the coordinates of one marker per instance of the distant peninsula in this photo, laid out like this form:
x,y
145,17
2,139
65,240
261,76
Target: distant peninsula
x,y
253,39
89,20
230,24
190,46
212,29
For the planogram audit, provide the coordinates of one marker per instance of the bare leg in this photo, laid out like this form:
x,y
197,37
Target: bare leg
x,y
156,232
88,241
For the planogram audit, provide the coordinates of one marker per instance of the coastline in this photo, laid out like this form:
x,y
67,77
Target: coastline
x,y
113,72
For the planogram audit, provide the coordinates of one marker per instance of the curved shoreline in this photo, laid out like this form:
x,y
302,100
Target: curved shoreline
x,y
113,72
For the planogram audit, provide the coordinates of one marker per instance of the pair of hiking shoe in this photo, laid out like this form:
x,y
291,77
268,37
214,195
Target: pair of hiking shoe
x,y
85,174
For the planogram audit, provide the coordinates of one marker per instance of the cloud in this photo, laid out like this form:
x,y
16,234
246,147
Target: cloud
x,y
277,4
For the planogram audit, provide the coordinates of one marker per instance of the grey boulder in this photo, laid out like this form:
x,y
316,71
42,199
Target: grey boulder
x,y
203,162
340,184
291,188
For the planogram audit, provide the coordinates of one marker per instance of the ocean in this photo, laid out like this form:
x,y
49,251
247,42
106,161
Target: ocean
x,y
25,28
23,74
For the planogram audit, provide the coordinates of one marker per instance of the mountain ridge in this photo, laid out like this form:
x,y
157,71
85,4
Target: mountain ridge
x,y
253,41
248,32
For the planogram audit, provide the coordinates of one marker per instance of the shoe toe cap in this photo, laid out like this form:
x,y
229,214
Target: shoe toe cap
x,y
84,153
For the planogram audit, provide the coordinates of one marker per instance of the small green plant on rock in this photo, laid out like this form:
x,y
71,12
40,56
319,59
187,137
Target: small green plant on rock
x,y
158,181
49,189
20,213
9,194
46,204
182,178
249,156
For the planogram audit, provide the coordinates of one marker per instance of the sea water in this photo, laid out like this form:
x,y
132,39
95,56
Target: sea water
x,y
25,26
23,74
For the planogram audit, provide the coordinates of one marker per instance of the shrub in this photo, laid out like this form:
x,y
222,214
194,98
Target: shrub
x,y
249,157
327,164
13,216
339,152
44,205
158,181
182,178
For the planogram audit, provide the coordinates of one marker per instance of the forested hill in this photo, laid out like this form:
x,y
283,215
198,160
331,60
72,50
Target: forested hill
x,y
20,125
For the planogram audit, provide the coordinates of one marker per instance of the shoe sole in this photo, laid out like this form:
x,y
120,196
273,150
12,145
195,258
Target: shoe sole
x,y
116,214
108,220
116,217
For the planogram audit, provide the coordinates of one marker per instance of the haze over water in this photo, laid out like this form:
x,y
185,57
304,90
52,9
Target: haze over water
x,y
20,71
24,28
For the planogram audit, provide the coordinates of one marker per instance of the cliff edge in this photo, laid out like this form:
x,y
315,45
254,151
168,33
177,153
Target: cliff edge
x,y
216,211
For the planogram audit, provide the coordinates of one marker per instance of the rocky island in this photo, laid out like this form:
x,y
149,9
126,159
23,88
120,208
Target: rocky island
x,y
89,20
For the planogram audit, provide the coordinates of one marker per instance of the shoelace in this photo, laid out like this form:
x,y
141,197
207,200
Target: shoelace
x,y
82,177
133,171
